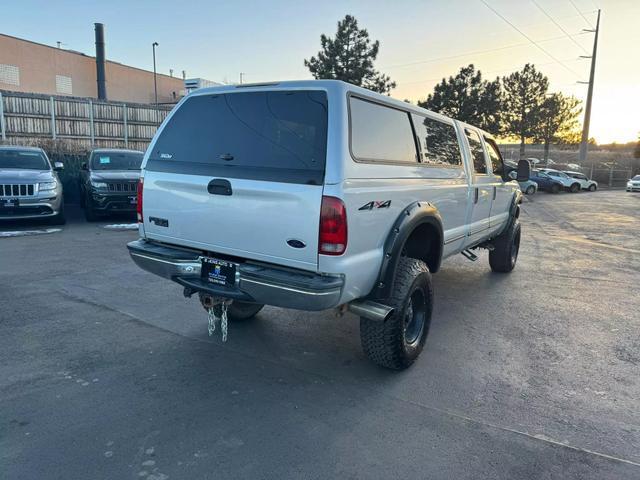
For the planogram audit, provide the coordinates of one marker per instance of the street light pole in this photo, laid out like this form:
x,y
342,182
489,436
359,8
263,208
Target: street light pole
x,y
155,83
584,144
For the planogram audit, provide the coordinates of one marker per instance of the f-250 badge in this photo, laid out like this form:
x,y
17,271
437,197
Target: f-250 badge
x,y
374,204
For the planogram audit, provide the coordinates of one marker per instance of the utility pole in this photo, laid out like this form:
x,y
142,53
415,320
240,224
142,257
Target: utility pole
x,y
584,144
241,75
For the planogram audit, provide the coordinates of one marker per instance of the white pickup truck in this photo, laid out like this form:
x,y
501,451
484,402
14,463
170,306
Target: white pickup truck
x,y
318,195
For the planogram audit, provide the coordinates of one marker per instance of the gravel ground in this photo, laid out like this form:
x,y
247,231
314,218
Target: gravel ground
x,y
107,371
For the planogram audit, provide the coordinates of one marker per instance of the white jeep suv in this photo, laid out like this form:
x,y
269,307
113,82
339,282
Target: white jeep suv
x,y
316,195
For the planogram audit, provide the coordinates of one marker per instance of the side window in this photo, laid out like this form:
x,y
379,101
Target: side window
x,y
494,155
477,152
438,141
380,133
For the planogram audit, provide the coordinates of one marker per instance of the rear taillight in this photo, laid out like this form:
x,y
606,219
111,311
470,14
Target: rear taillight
x,y
139,202
333,227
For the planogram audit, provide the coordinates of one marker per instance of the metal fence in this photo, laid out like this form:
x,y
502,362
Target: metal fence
x,y
27,118
610,177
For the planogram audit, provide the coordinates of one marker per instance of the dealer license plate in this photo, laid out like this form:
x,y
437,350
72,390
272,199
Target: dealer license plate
x,y
219,272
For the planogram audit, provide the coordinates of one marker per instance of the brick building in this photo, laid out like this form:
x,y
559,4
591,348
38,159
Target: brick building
x,y
26,66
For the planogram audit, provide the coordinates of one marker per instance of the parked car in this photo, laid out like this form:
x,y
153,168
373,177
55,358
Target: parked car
x,y
545,182
569,183
304,195
529,187
29,185
633,185
536,162
109,182
585,182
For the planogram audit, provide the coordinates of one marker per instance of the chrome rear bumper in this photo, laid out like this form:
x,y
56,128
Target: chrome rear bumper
x,y
255,282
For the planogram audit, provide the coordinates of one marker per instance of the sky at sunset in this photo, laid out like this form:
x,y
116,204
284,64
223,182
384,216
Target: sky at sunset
x,y
421,41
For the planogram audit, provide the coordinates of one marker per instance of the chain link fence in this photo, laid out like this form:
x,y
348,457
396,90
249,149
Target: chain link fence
x,y
611,177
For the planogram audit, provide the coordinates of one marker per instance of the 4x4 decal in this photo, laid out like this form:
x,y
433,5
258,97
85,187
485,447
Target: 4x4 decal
x,y
376,204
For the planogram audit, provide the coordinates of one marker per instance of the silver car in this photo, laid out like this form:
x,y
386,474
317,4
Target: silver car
x,y
29,185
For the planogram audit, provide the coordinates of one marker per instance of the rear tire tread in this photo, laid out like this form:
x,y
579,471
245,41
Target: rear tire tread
x,y
383,342
500,256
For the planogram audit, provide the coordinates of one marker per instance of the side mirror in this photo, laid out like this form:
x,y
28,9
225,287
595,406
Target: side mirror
x,y
57,166
84,166
524,171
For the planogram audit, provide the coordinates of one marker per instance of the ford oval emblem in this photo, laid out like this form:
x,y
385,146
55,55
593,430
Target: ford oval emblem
x,y
295,243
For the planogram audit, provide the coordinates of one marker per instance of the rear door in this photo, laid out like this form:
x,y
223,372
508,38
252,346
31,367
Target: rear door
x,y
241,173
481,188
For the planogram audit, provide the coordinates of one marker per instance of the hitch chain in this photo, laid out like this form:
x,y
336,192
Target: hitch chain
x,y
214,319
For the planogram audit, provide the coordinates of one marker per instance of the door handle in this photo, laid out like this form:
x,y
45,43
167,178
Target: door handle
x,y
476,194
219,186
495,191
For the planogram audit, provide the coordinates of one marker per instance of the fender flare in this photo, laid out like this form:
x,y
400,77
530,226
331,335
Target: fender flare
x,y
411,217
514,211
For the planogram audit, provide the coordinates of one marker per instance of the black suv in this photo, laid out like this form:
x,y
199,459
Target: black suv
x,y
109,182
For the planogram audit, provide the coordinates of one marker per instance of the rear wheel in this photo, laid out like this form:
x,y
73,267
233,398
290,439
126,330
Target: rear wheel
x,y
505,251
530,190
592,187
239,311
574,188
397,342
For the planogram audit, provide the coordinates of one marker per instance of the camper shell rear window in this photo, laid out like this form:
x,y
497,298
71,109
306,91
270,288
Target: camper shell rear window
x,y
278,136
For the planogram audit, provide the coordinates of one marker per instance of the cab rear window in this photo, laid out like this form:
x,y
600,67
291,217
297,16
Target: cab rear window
x,y
275,136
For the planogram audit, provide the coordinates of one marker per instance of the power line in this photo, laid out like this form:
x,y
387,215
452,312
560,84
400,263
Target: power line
x,y
581,14
485,72
475,52
529,38
560,27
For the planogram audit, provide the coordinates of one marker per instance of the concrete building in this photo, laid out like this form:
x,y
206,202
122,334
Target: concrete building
x,y
191,84
31,67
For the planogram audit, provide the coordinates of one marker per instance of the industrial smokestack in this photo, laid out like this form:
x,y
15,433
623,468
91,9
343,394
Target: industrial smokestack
x,y
100,61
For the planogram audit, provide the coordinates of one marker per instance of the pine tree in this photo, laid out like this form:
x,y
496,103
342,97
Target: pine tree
x,y
468,97
349,57
524,94
558,120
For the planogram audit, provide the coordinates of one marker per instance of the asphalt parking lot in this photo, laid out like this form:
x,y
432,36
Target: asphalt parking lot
x,y
107,371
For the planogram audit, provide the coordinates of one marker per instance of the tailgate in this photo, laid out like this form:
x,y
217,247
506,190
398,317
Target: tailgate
x,y
256,221
241,174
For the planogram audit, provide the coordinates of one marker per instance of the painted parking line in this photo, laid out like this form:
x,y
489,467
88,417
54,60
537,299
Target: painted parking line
x,y
122,226
27,233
